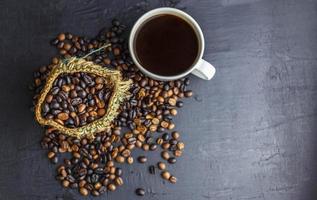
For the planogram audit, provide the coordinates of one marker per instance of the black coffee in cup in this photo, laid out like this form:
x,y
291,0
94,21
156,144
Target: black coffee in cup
x,y
166,45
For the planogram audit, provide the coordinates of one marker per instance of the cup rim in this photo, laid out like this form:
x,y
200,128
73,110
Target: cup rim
x,y
171,11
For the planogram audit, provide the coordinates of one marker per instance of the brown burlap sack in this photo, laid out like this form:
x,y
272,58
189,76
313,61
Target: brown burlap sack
x,y
119,94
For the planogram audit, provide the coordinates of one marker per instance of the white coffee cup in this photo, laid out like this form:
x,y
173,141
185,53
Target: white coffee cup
x,y
200,67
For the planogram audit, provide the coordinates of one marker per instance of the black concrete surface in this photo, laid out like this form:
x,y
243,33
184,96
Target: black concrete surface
x,y
250,132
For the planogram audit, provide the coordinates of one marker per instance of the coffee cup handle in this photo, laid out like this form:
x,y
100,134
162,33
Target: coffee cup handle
x,y
204,70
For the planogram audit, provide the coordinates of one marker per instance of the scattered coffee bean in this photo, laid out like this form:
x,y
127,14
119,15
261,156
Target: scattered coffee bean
x,y
173,179
165,175
165,136
50,155
142,159
119,181
145,147
130,160
159,141
54,160
188,93
166,145
140,192
178,153
180,145
61,37
65,183
120,159
111,187
172,160
83,191
175,135
152,169
179,104
161,165
165,155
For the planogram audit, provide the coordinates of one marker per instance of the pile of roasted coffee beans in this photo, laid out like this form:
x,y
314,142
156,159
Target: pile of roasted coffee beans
x,y
90,166
77,99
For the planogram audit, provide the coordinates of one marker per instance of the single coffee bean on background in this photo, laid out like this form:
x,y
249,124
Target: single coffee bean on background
x,y
173,179
152,169
165,155
142,159
172,160
161,165
165,175
140,191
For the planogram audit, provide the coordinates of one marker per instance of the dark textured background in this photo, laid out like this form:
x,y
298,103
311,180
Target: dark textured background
x,y
250,132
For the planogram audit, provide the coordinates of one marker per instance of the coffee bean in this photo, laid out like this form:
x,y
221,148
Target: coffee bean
x,y
63,116
115,22
172,101
140,192
74,185
179,104
130,160
165,175
101,112
145,147
54,42
82,93
186,81
81,108
173,142
166,145
155,121
161,165
165,136
50,155
111,187
175,135
102,189
159,141
67,46
173,111
142,159
173,179
83,191
120,159
180,145
188,93
54,160
153,147
171,126
165,155
118,181
118,171
164,124
65,183
152,169
178,153
49,98
95,193
76,101
54,105
172,160
149,140
61,37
